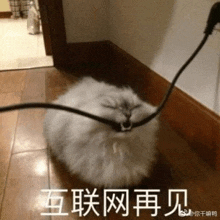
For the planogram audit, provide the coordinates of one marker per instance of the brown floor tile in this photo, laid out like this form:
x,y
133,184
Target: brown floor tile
x,y
29,133
144,214
12,81
61,179
182,158
23,197
34,89
190,172
55,78
204,194
178,167
57,83
53,93
7,130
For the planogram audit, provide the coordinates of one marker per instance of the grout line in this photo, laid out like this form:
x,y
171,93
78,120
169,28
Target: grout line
x,y
27,68
49,182
10,93
12,147
28,151
9,163
48,149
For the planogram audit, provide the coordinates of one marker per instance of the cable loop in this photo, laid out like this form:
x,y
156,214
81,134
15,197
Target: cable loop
x,y
116,126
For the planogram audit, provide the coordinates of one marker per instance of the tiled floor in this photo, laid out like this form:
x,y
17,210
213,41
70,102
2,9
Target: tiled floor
x,y
20,50
26,167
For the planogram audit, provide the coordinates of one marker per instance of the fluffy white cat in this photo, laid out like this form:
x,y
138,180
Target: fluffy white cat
x,y
93,150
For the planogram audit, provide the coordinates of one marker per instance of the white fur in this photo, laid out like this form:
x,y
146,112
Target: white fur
x,y
93,150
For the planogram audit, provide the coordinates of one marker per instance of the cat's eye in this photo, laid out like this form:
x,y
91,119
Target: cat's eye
x,y
108,106
136,106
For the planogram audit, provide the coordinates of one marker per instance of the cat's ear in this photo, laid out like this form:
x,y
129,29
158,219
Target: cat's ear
x,y
127,88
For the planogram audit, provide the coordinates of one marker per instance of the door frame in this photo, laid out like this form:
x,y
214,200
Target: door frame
x,y
53,25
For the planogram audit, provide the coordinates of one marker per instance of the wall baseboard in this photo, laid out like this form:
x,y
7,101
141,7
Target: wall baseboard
x,y
193,121
5,14
85,53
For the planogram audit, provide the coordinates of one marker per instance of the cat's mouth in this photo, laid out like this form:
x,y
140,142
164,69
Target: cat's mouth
x,y
126,126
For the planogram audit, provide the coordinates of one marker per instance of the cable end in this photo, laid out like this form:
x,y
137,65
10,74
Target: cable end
x,y
213,19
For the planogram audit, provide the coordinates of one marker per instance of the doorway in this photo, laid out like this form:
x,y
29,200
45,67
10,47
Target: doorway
x,y
20,49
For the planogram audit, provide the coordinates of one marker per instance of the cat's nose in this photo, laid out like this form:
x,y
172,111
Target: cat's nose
x,y
127,113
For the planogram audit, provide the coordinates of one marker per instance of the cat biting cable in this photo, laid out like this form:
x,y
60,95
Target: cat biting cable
x,y
93,150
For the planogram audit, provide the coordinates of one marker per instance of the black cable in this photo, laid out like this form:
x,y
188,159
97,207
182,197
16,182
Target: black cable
x,y
213,19
170,89
116,126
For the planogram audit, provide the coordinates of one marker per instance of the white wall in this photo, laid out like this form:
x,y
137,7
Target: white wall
x,y
86,20
160,34
201,78
163,34
139,27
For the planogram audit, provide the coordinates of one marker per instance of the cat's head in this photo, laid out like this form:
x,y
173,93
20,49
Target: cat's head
x,y
120,105
123,106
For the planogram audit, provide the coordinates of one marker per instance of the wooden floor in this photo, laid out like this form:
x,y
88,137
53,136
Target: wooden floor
x,y
26,167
